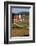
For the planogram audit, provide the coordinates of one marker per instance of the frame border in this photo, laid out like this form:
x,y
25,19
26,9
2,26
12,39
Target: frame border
x,y
6,41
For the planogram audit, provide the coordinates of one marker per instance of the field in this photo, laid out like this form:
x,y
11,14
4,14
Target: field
x,y
21,29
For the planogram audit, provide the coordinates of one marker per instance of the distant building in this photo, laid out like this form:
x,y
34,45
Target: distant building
x,y
19,16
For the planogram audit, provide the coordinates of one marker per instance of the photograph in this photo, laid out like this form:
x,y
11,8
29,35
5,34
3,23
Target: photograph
x,y
20,21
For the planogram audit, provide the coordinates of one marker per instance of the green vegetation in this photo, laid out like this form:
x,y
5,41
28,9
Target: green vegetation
x,y
21,26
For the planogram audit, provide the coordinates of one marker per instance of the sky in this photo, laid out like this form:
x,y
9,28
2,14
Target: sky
x,y
17,10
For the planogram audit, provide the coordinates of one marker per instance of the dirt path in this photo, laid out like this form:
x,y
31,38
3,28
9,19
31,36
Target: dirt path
x,y
19,32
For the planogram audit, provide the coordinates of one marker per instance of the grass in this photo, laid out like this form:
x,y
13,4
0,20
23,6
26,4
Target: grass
x,y
21,26
21,29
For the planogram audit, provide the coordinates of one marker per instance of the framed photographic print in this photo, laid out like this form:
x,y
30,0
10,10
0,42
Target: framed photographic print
x,y
19,22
